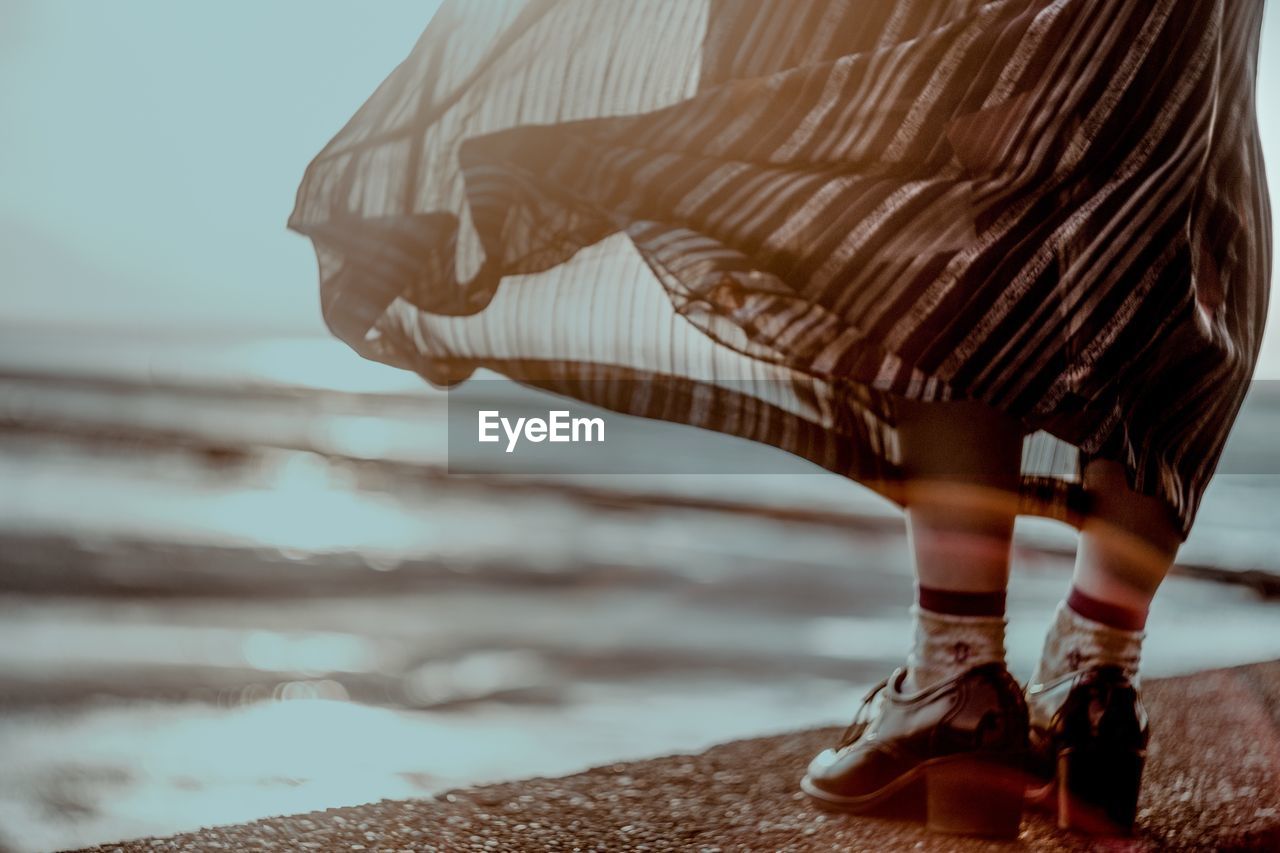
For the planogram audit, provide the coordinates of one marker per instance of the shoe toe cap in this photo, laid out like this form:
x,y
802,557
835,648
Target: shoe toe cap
x,y
821,765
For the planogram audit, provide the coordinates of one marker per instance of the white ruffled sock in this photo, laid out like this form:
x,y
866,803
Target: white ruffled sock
x,y
947,645
1075,643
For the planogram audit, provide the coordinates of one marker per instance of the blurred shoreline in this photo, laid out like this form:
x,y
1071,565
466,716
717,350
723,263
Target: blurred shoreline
x,y
226,593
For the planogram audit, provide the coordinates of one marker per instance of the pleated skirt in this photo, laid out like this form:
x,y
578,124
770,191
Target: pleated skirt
x,y
781,219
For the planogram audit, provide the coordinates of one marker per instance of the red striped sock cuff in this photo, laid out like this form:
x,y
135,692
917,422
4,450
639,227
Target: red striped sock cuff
x,y
1112,615
957,603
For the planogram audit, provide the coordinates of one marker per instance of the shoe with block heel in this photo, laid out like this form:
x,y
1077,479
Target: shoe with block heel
x,y
1088,745
952,754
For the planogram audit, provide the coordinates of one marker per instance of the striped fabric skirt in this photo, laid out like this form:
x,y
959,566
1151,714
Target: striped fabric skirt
x,y
780,219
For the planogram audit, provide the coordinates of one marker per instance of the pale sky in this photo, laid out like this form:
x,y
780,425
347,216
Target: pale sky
x,y
150,150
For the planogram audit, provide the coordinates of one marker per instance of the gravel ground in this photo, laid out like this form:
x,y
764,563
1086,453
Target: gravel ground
x,y
1213,783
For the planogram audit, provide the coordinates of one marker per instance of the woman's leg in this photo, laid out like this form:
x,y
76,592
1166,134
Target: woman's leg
x,y
1088,729
962,461
1127,546
961,464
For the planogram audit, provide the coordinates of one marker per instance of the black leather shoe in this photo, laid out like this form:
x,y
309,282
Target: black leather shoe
x,y
1088,745
955,751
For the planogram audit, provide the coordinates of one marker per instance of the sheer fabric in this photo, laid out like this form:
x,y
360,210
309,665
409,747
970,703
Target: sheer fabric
x,y
778,219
